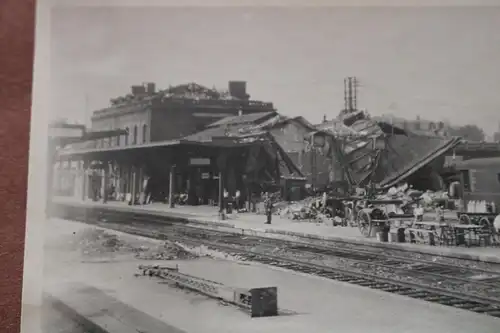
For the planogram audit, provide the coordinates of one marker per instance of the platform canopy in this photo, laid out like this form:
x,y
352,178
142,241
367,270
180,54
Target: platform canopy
x,y
211,141
65,134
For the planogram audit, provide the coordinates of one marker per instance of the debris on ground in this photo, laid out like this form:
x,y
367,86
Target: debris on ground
x,y
98,242
166,251
428,200
319,208
93,241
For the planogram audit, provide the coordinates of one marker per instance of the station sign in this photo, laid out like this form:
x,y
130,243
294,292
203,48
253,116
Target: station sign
x,y
198,161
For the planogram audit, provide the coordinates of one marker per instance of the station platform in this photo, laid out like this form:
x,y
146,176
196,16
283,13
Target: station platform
x,y
106,289
252,223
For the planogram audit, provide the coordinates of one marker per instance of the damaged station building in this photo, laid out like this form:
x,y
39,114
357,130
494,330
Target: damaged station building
x,y
184,139
193,140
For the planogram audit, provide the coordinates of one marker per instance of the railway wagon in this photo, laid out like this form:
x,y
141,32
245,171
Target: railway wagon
x,y
480,183
480,179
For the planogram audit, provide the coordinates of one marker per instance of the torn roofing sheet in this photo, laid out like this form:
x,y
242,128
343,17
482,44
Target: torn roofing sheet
x,y
235,135
403,153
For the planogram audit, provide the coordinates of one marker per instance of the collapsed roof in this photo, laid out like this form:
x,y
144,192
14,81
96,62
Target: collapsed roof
x,y
380,153
246,130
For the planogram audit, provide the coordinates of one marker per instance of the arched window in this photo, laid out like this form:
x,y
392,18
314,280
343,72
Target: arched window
x,y
126,136
134,142
144,133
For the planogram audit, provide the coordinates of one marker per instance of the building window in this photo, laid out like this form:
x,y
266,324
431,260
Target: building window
x,y
466,180
117,140
134,142
126,136
144,133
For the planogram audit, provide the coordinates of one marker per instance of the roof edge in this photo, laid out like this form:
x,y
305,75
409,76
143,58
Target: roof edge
x,y
411,170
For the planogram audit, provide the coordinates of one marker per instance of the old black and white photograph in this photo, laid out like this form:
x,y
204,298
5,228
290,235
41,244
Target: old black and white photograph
x,y
243,169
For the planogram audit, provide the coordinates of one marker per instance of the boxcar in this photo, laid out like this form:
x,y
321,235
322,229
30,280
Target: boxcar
x,y
480,180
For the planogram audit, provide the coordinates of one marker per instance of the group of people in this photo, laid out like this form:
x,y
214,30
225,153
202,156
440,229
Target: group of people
x,y
238,203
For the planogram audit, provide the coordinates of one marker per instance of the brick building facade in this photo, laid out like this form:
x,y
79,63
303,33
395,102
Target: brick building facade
x,y
153,116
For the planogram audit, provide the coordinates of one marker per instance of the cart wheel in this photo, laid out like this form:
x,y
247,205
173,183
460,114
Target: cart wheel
x,y
464,219
485,224
364,223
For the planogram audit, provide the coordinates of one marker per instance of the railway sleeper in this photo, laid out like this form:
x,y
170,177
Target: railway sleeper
x,y
432,298
393,263
493,313
483,309
344,279
356,281
390,289
449,301
414,293
466,305
366,284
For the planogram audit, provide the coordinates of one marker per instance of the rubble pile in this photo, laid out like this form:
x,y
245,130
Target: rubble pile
x,y
427,200
300,210
98,242
316,208
313,209
166,251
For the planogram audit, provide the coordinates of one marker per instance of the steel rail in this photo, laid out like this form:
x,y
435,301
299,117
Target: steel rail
x,y
474,303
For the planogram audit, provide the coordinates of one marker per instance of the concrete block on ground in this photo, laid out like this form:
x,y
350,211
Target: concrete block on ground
x,y
260,302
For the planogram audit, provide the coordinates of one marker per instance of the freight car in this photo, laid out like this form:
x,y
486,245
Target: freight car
x,y
480,190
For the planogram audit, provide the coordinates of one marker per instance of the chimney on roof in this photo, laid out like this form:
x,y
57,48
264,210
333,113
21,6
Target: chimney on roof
x,y
324,118
138,90
150,88
238,89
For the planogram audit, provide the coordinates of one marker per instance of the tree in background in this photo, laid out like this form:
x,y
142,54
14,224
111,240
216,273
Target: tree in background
x,y
60,121
468,132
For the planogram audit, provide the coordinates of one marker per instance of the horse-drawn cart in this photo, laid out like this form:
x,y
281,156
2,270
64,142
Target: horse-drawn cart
x,y
373,215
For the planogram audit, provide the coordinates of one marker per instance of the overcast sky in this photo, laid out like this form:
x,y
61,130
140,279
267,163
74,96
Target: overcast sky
x,y
439,63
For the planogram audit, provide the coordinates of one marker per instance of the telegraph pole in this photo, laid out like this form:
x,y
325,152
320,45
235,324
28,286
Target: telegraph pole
x,y
350,94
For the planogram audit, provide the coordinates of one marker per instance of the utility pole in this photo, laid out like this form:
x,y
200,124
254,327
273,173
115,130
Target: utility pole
x,y
350,94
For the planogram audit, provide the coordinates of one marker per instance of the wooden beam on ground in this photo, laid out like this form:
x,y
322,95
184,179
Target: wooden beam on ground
x,y
260,302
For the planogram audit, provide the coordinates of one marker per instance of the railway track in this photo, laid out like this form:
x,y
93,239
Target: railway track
x,y
429,275
431,271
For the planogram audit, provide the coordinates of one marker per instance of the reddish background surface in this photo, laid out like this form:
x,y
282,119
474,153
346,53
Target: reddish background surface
x,y
16,70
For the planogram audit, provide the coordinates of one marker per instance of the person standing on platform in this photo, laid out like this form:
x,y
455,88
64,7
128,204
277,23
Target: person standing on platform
x,y
147,190
225,201
238,200
268,205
